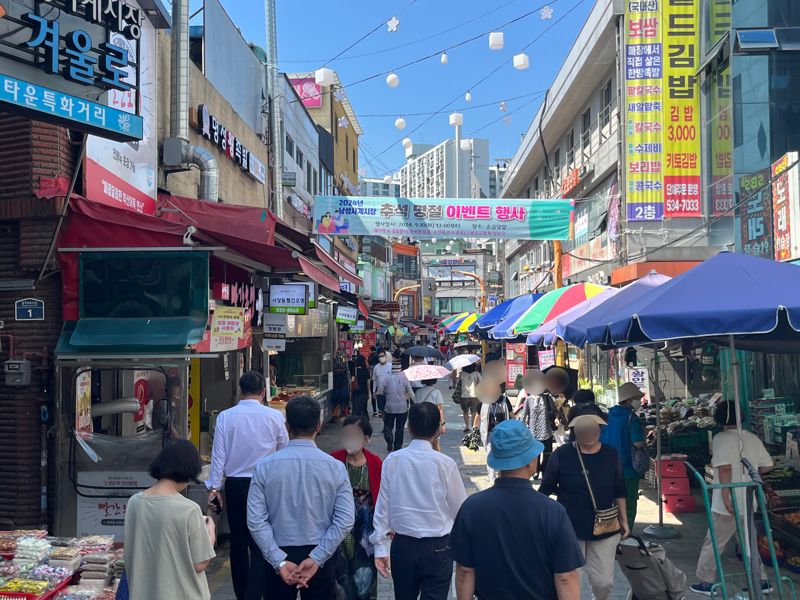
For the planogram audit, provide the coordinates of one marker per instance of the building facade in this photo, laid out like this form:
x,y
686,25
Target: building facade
x,y
378,187
497,173
430,171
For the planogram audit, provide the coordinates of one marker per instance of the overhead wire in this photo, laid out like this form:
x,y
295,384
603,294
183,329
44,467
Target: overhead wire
x,y
459,108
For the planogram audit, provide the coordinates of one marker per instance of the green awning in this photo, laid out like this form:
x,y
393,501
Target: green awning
x,y
135,336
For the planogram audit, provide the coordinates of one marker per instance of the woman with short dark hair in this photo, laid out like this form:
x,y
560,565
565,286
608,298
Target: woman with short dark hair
x,y
356,573
168,543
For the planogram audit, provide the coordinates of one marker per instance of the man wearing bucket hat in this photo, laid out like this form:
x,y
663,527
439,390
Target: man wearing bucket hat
x,y
624,432
510,541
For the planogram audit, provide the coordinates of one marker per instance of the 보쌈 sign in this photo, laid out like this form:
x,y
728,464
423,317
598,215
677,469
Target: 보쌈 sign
x,y
346,314
425,218
290,299
57,58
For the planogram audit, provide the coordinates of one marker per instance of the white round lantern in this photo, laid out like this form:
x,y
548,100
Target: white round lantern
x,y
407,143
400,123
392,80
444,58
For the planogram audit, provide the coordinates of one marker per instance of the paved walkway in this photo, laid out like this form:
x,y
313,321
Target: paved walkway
x,y
683,551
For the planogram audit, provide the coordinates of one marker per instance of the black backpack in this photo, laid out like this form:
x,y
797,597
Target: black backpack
x,y
498,412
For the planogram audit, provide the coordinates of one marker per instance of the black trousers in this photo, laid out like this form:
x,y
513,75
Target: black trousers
x,y
360,402
421,568
248,566
394,429
548,450
320,587
381,401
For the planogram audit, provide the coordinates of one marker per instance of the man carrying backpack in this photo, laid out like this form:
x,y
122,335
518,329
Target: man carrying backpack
x,y
494,410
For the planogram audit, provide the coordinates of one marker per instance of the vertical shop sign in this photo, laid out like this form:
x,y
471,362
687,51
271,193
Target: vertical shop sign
x,y
516,359
721,145
682,185
141,391
83,402
194,401
643,111
640,377
755,214
785,199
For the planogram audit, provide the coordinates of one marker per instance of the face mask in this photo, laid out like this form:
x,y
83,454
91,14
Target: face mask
x,y
352,446
636,404
382,360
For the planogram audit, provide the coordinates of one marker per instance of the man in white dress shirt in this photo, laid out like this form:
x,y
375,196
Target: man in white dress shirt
x,y
243,436
421,492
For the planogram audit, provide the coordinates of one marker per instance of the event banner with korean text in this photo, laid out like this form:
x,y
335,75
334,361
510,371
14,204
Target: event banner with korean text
x,y
755,214
425,218
643,93
682,197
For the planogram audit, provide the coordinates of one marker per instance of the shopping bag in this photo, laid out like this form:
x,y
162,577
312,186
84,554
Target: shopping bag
x,y
651,574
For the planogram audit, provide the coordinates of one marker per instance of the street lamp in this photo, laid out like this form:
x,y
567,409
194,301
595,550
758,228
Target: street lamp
x,y
457,120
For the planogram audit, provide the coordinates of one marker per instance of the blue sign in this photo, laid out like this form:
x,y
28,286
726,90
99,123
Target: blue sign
x,y
82,114
29,309
493,298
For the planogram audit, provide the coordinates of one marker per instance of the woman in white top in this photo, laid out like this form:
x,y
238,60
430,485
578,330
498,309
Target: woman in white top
x,y
429,393
470,406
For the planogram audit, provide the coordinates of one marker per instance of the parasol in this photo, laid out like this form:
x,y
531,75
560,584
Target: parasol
x,y
423,372
445,322
423,352
461,361
467,344
465,324
547,333
554,304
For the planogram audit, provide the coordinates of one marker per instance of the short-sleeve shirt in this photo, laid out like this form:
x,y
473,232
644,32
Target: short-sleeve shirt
x,y
725,451
165,536
428,394
623,431
516,539
564,478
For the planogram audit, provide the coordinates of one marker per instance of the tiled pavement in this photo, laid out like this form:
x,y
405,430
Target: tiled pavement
x,y
683,551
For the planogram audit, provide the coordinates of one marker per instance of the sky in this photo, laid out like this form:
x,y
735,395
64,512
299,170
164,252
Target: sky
x,y
311,33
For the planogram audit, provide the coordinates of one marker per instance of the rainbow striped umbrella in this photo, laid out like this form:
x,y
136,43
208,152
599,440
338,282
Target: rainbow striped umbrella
x,y
463,326
553,304
455,324
444,323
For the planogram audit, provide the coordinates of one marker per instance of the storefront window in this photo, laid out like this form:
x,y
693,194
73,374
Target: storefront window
x,y
766,13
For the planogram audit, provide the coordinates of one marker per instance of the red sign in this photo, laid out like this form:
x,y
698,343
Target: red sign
x,y
385,306
222,291
571,181
107,188
682,196
516,361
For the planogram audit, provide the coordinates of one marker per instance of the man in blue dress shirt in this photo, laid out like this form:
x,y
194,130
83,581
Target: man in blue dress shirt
x,y
299,510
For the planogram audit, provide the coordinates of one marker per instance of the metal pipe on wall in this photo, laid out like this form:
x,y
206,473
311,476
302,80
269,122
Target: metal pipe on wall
x,y
270,20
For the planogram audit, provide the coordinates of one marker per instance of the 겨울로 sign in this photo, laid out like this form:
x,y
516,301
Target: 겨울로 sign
x,y
290,299
347,315
425,218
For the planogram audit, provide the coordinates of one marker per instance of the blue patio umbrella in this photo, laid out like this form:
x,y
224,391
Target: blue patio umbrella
x,y
547,333
496,314
755,301
591,326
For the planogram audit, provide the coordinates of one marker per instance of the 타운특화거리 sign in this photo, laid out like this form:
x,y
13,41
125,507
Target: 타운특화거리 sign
x,y
425,218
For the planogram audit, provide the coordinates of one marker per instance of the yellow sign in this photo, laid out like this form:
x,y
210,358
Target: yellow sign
x,y
194,401
227,327
682,185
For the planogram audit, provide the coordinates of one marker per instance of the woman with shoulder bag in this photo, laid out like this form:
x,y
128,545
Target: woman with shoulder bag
x,y
539,414
586,478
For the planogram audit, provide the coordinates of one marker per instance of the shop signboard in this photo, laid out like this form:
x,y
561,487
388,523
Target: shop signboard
x,y
786,207
288,179
83,402
59,57
290,299
227,328
547,358
122,174
275,323
308,90
275,344
29,309
141,391
570,181
426,218
755,214
346,314
722,198
313,292
231,146
516,360
682,195
106,515
644,110
386,306
359,327
640,377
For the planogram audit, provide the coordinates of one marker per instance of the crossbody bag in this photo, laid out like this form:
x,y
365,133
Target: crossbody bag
x,y
606,520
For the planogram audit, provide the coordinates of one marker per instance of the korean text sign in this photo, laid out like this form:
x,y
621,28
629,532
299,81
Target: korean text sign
x,y
425,218
347,315
644,110
786,206
291,299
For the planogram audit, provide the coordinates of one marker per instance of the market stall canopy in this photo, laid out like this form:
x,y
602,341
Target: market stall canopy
x,y
555,303
446,321
504,330
754,299
547,333
462,325
496,314
591,327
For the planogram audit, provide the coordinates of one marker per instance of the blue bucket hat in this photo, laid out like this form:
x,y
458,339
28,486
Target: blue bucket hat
x,y
513,446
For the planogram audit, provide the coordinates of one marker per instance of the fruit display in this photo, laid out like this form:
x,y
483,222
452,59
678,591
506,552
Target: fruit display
x,y
783,478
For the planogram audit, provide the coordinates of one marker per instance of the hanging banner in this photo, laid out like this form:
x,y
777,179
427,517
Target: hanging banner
x,y
227,327
755,214
786,203
682,185
83,402
644,114
721,198
426,218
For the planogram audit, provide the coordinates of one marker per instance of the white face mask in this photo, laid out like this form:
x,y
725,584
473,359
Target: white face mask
x,y
382,360
636,404
352,446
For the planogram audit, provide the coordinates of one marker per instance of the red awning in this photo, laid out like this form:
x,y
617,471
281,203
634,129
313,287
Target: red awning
x,y
328,261
315,273
363,308
224,221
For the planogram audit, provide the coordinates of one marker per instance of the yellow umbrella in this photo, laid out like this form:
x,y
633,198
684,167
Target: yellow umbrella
x,y
466,323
